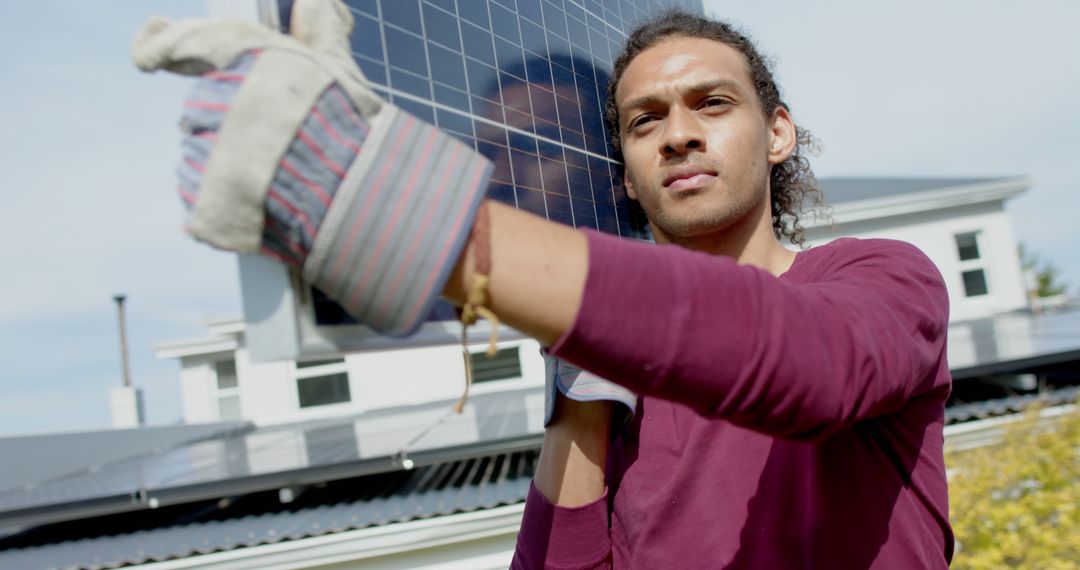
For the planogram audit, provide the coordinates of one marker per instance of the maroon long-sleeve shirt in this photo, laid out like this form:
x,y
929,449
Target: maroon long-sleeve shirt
x,y
791,422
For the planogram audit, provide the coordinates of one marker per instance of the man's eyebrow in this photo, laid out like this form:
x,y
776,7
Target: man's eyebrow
x,y
703,87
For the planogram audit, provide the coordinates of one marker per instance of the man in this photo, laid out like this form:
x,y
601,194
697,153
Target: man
x,y
791,404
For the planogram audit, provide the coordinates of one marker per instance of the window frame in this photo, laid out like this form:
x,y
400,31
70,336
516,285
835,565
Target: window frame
x,y
501,352
972,264
228,392
322,368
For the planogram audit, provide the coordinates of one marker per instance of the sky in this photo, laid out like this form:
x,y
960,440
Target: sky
x,y
906,89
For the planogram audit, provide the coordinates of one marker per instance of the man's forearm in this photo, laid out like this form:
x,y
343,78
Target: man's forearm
x,y
570,472
538,271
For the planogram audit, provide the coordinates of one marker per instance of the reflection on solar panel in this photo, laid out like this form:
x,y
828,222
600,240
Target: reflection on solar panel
x,y
1007,342
251,459
524,83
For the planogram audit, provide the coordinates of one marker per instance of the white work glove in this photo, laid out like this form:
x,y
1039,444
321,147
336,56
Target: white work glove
x,y
577,384
289,153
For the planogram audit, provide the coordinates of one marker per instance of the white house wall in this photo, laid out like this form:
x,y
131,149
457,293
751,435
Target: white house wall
x,y
382,379
198,389
934,233
410,376
267,389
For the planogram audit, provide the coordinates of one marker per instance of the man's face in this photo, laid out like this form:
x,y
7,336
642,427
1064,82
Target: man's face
x,y
697,147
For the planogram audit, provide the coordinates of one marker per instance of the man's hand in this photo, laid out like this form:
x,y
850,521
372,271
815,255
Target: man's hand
x,y
289,153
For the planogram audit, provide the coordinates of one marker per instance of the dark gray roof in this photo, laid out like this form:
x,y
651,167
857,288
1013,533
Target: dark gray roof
x,y
401,496
840,190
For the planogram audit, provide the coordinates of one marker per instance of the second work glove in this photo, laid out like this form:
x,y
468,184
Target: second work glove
x,y
289,153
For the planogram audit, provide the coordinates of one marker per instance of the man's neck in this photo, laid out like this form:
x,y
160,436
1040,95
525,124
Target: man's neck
x,y
749,244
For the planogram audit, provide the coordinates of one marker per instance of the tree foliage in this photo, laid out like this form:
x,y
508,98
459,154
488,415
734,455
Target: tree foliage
x,y
1047,276
1017,504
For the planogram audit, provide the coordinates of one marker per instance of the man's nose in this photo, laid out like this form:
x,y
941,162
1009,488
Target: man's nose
x,y
683,133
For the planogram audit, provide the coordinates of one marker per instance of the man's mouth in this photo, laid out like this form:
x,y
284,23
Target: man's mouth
x,y
688,178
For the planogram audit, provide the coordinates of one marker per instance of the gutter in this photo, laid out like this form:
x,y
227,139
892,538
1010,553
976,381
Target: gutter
x,y
402,545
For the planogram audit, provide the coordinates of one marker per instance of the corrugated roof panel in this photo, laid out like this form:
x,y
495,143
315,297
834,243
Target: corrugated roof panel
x,y
1010,405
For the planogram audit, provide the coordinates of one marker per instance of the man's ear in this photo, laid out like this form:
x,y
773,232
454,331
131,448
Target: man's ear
x,y
629,186
782,136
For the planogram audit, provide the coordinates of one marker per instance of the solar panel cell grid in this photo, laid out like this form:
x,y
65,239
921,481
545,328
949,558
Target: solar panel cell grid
x,y
523,82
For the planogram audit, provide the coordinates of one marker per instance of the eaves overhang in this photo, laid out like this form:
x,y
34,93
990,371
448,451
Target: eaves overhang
x,y
922,201
203,346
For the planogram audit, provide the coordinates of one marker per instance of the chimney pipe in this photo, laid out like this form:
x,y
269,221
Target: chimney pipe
x,y
123,338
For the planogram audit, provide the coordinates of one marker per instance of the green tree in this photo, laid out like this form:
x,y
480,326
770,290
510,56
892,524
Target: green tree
x,y
1017,504
1047,275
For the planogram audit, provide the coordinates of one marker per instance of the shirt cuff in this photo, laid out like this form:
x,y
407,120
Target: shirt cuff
x,y
563,537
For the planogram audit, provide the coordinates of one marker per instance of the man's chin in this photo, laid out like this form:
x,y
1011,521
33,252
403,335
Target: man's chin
x,y
676,229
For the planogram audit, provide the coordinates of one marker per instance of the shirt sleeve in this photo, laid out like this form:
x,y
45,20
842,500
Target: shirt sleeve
x,y
562,538
855,330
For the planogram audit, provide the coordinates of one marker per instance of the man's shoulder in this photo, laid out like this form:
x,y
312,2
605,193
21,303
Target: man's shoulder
x,y
871,254
853,245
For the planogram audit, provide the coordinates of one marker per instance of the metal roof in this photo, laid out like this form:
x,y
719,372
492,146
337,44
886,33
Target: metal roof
x,y
1010,405
218,490
402,496
840,190
399,496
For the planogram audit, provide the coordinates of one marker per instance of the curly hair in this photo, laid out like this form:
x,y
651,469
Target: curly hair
x,y
793,185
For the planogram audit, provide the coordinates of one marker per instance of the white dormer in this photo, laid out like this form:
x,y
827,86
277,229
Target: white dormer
x,y
960,224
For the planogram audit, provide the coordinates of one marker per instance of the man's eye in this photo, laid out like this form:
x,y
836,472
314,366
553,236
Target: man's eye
x,y
642,120
714,102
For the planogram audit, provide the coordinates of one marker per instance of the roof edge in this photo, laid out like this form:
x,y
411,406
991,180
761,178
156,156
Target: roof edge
x,y
936,199
195,346
361,544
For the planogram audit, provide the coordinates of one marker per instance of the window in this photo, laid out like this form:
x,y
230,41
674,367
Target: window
x,y
972,266
228,391
226,374
967,245
322,382
974,283
504,365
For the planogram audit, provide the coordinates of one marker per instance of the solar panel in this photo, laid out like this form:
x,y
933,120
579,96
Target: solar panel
x,y
241,461
521,81
1004,343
